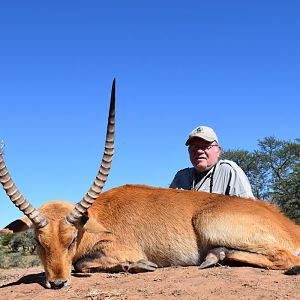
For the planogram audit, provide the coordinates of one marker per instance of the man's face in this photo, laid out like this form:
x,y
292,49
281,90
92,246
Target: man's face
x,y
203,154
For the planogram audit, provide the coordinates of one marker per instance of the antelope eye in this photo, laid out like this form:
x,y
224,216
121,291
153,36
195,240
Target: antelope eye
x,y
72,243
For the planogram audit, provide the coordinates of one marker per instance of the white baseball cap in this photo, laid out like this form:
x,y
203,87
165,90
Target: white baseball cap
x,y
204,133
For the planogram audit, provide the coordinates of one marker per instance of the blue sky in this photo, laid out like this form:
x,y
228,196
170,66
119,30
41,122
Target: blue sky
x,y
231,65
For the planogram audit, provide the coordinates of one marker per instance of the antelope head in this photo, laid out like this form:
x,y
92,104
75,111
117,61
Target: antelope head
x,y
59,225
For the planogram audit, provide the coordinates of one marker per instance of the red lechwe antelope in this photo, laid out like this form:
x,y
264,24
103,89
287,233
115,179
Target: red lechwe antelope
x,y
138,228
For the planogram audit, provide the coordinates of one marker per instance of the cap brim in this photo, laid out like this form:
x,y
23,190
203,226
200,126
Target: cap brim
x,y
200,138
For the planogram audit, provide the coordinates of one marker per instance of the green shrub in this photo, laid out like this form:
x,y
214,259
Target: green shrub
x,y
18,250
17,260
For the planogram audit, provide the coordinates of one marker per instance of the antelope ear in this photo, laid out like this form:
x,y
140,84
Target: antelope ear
x,y
92,226
18,225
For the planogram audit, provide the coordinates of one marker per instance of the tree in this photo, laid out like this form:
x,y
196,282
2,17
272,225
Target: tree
x,y
23,241
282,159
5,239
274,172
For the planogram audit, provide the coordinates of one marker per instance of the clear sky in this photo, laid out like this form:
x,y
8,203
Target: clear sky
x,y
231,65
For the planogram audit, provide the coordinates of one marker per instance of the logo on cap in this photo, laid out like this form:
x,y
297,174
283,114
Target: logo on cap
x,y
198,129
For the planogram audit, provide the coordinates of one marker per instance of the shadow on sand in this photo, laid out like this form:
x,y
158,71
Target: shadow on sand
x,y
38,278
28,279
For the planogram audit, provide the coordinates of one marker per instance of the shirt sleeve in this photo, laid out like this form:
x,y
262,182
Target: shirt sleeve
x,y
182,180
238,183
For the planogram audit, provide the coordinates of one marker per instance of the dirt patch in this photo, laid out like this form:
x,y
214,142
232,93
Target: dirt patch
x,y
166,283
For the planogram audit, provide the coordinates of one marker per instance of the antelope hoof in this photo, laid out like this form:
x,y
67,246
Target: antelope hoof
x,y
213,257
293,271
140,266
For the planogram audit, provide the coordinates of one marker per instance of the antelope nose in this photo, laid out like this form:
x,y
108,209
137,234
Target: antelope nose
x,y
58,284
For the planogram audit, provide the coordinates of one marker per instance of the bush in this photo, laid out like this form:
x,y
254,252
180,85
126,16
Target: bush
x,y
19,242
18,250
17,260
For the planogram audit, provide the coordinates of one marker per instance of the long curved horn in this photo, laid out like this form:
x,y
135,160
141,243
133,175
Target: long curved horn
x,y
17,198
96,188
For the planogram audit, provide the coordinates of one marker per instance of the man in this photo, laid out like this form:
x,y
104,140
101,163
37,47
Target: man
x,y
210,174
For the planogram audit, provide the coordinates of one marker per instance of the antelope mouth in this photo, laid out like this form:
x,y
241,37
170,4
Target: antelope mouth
x,y
57,283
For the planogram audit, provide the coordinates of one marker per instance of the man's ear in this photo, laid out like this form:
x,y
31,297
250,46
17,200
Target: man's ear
x,y
18,225
93,226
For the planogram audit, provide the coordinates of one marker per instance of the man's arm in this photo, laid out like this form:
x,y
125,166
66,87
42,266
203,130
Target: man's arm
x,y
182,180
239,184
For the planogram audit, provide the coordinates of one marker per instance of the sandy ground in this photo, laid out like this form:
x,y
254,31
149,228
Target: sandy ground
x,y
167,283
